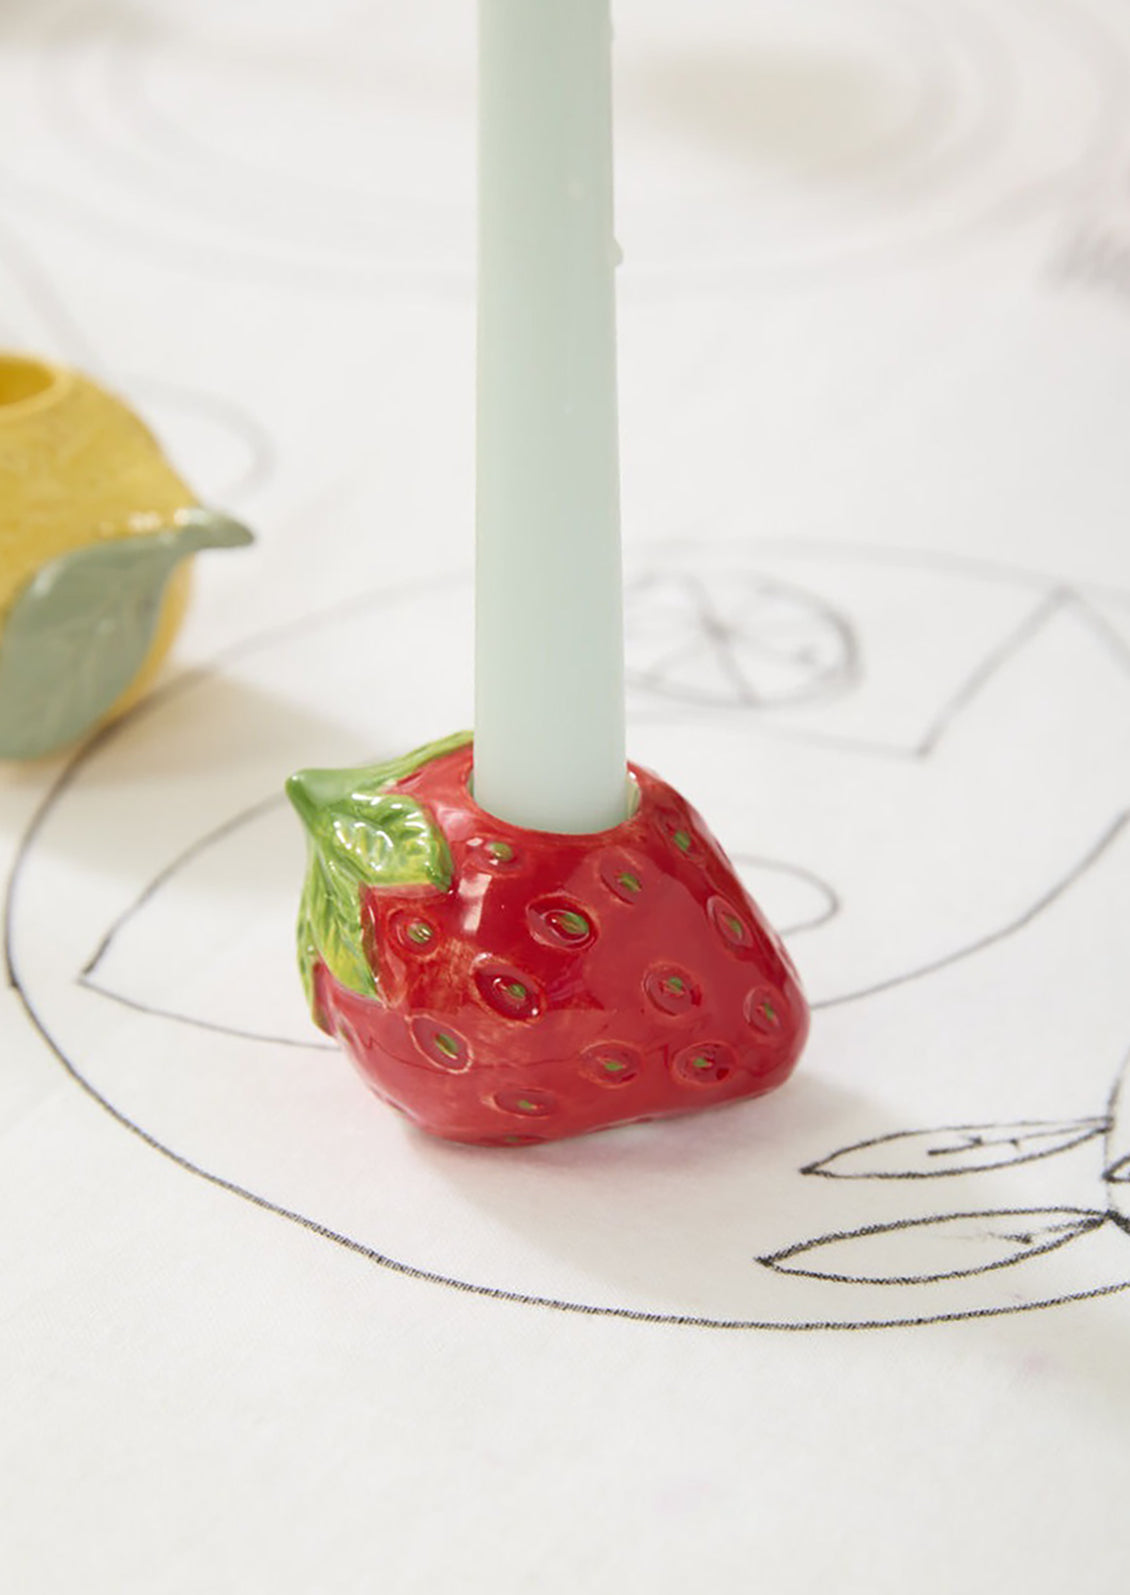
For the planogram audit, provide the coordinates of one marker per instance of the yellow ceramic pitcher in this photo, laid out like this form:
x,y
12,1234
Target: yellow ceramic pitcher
x,y
96,534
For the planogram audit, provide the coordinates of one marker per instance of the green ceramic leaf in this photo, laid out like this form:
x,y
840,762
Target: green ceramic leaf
x,y
360,834
78,632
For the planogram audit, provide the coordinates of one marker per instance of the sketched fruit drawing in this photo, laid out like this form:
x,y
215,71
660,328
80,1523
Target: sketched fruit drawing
x,y
955,1126
746,643
96,535
505,986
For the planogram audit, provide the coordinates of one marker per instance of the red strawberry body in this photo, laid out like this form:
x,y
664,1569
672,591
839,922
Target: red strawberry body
x,y
559,984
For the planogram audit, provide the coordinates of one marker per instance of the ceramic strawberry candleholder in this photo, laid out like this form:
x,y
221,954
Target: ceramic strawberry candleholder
x,y
504,986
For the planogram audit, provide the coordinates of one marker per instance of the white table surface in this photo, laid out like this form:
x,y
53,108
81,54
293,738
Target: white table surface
x,y
875,370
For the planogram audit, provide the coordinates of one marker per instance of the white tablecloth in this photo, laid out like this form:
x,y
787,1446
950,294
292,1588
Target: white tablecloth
x,y
866,1335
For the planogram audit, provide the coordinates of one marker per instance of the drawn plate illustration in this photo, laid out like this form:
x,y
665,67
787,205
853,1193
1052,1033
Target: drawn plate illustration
x,y
921,767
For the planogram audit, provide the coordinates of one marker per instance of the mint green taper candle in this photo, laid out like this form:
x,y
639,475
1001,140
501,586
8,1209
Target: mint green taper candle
x,y
549,709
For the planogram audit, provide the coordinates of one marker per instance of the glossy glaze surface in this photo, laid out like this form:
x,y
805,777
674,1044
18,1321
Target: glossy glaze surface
x,y
523,986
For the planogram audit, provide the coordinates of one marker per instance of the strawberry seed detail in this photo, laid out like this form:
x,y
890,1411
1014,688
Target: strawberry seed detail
x,y
624,878
508,991
671,990
440,1043
526,1104
729,924
559,922
611,1064
762,1012
708,1064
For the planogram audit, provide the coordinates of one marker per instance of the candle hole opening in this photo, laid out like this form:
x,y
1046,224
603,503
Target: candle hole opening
x,y
22,379
632,798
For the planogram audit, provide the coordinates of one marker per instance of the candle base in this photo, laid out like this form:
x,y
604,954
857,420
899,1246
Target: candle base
x,y
503,986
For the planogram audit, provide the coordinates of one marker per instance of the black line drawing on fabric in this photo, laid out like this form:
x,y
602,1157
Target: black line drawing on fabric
x,y
88,975
259,465
72,344
825,903
90,971
172,227
994,1235
994,661
962,69
742,642
169,871
955,1149
270,805
962,1244
834,629
149,116
1092,857
733,640
1056,1237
